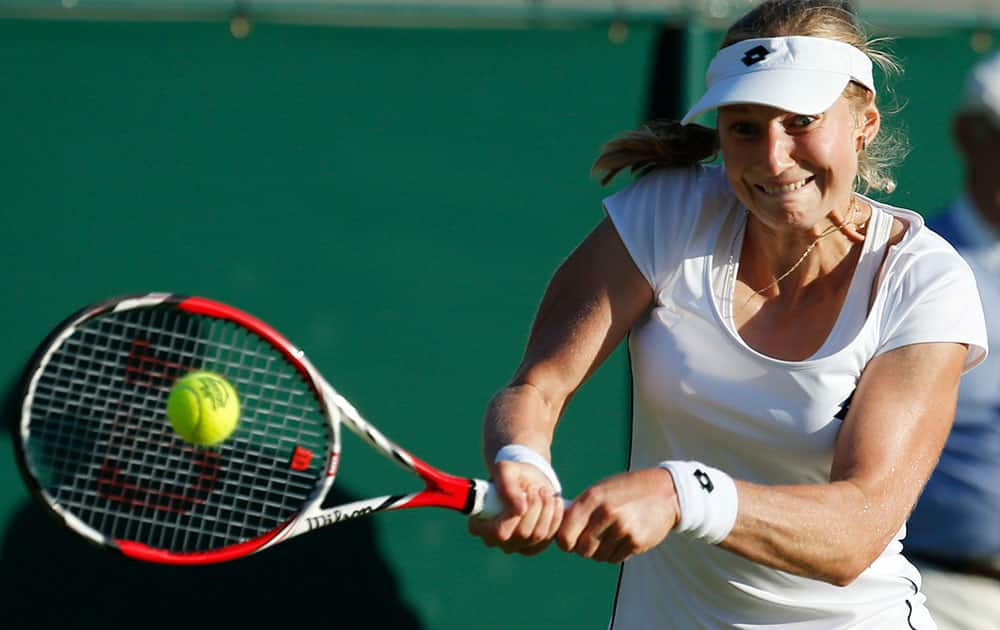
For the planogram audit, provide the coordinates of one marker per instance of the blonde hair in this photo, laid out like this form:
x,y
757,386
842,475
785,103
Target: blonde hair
x,y
668,144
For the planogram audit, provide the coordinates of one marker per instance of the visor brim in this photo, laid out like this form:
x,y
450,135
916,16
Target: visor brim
x,y
792,90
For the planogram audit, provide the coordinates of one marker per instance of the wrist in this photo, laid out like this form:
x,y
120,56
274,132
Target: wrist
x,y
707,500
668,490
527,455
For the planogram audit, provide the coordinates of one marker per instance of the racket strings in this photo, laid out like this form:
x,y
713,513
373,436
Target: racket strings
x,y
101,447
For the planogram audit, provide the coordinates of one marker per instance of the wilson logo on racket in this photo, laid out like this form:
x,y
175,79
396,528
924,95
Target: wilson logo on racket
x,y
143,369
335,516
131,442
117,484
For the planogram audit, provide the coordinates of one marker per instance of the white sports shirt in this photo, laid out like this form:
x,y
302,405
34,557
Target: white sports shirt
x,y
701,393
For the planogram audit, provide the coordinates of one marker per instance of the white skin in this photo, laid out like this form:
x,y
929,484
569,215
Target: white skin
x,y
889,442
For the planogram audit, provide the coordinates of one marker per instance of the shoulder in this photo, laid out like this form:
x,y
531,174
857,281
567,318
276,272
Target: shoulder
x,y
912,239
920,265
928,291
675,197
674,184
672,202
660,214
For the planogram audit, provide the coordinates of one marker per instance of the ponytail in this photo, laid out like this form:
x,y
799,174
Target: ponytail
x,y
656,144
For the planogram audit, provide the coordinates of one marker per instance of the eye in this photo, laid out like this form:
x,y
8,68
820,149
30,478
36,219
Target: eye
x,y
742,128
801,121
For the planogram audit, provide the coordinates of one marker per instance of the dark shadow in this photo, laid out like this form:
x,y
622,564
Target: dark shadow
x,y
52,578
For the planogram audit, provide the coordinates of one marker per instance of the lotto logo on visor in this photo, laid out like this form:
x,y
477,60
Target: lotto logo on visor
x,y
802,75
755,55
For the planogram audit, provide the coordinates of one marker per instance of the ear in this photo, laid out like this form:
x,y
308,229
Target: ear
x,y
870,123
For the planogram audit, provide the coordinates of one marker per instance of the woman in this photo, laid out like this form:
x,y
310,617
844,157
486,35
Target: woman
x,y
796,349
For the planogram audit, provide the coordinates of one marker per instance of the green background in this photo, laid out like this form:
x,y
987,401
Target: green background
x,y
392,200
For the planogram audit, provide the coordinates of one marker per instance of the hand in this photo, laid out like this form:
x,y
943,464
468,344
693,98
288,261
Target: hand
x,y
532,511
621,516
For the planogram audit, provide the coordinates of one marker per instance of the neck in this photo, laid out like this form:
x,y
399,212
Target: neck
x,y
786,267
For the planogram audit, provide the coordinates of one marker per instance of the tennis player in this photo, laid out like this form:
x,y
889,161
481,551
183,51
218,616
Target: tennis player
x,y
795,348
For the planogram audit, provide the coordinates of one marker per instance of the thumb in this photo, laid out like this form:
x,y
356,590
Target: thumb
x,y
510,485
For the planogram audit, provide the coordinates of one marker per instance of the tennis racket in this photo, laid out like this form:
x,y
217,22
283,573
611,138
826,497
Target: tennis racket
x,y
95,446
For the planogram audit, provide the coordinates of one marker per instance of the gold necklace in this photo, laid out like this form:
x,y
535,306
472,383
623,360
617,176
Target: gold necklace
x,y
827,232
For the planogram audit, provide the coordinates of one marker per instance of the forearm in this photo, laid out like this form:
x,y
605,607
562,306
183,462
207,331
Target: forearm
x,y
519,414
591,303
830,532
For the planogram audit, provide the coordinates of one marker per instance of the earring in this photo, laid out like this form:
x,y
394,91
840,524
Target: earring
x,y
864,143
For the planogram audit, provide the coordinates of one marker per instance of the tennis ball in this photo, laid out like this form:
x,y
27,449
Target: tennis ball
x,y
203,408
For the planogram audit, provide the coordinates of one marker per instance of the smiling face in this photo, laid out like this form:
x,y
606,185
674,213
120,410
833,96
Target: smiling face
x,y
791,170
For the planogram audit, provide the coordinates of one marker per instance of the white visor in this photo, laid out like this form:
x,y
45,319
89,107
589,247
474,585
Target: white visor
x,y
802,75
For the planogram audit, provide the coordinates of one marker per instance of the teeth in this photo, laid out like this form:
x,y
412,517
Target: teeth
x,y
774,190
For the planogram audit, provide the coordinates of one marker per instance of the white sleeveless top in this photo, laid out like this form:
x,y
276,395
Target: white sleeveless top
x,y
700,392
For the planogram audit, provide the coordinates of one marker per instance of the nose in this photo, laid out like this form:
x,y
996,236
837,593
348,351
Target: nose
x,y
777,149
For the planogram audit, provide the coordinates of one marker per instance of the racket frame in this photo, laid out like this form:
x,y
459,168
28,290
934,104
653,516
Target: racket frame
x,y
468,496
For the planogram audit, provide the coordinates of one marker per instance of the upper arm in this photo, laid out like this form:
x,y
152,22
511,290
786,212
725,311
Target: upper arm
x,y
932,329
898,422
592,301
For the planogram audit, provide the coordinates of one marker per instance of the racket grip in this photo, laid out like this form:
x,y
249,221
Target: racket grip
x,y
488,503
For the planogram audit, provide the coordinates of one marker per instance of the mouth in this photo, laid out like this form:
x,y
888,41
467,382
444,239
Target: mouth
x,y
779,189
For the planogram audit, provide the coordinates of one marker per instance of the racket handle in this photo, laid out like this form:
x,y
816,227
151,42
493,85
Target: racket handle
x,y
488,503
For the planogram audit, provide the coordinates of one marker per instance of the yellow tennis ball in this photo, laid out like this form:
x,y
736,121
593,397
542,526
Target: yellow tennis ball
x,y
203,408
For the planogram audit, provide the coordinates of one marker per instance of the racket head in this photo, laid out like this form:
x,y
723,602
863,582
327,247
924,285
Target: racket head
x,y
95,447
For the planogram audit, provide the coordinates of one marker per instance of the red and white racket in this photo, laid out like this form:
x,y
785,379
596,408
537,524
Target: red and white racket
x,y
96,448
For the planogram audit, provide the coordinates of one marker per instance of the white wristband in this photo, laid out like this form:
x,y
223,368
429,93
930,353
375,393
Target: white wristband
x,y
707,498
526,455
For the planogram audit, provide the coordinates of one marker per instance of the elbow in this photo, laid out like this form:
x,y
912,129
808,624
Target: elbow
x,y
844,576
847,568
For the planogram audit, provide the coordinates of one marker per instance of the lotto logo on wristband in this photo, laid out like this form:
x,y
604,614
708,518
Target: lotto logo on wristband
x,y
704,480
707,500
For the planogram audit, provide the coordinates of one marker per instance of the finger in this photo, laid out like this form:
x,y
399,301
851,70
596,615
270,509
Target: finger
x,y
514,534
575,519
623,551
510,486
604,550
586,546
589,542
506,533
615,540
495,532
549,516
573,522
554,510
546,525
529,520
485,529
533,550
607,541
599,527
